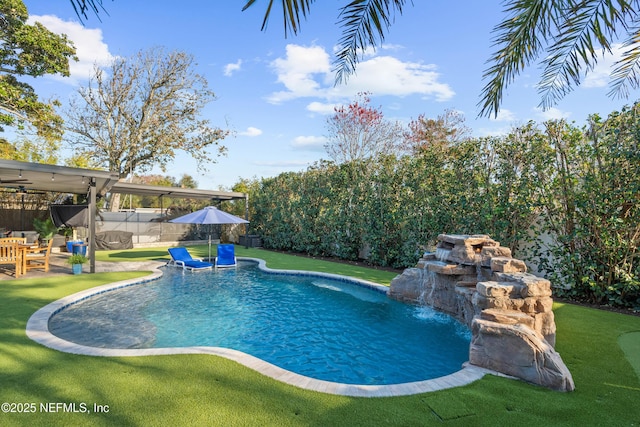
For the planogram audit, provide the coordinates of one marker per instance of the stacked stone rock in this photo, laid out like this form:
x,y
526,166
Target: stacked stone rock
x,y
508,310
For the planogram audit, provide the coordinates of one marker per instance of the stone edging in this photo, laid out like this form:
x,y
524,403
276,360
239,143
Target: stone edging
x,y
38,330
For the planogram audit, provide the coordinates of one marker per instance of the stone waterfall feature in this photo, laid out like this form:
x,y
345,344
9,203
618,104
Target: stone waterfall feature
x,y
508,310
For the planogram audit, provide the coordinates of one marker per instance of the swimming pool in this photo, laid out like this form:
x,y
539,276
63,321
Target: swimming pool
x,y
332,330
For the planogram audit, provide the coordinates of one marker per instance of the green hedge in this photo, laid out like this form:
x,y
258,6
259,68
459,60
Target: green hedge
x,y
561,197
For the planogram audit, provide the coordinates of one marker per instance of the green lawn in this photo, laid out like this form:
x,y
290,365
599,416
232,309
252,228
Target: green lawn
x,y
273,259
208,390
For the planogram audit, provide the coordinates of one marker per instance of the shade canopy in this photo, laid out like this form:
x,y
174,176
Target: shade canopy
x,y
209,215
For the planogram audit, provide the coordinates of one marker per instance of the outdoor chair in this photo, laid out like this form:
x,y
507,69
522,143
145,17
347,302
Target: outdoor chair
x,y
180,257
226,256
19,240
11,254
37,257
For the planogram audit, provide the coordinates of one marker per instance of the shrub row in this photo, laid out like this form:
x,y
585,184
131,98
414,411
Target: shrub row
x,y
561,197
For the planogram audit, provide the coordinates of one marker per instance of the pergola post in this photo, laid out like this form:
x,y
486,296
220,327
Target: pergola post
x,y
93,212
246,217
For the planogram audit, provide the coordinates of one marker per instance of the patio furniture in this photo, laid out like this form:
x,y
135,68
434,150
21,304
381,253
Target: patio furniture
x,y
209,215
114,239
11,254
20,240
36,257
180,257
226,256
30,235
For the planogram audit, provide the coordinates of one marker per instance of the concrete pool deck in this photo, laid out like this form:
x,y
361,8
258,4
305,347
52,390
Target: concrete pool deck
x,y
38,330
58,266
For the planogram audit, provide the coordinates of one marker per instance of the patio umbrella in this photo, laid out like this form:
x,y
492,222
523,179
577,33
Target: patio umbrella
x,y
209,215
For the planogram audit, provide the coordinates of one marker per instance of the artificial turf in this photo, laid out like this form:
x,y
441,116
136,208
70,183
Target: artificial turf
x,y
208,390
273,260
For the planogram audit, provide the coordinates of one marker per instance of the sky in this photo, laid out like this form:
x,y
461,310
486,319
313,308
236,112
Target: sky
x,y
275,93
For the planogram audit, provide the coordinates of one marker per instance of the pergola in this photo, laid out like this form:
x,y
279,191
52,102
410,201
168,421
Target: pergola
x,y
93,183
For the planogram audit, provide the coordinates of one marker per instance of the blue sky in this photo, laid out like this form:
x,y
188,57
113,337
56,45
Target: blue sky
x,y
275,93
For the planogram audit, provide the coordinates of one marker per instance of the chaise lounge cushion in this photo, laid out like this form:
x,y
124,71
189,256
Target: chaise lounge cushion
x,y
226,256
180,257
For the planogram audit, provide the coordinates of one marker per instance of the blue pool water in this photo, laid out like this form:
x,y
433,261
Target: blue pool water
x,y
322,328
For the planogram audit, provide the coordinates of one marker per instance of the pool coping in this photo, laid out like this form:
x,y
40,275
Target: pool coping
x,y
38,330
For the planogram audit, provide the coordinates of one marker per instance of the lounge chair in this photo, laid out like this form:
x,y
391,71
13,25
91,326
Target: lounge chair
x,y
226,256
180,257
37,257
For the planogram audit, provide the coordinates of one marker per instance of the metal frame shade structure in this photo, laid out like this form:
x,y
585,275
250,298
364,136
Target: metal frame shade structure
x,y
185,193
94,183
60,179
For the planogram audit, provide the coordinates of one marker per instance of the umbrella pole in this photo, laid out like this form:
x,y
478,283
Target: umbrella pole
x,y
209,248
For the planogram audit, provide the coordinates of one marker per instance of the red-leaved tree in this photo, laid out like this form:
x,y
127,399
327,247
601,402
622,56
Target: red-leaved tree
x,y
359,132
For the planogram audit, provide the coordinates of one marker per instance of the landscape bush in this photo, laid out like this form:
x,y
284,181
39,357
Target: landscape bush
x,y
563,198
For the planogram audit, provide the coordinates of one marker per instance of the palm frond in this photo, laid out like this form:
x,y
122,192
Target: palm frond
x,y
364,24
588,26
292,12
80,7
520,38
626,74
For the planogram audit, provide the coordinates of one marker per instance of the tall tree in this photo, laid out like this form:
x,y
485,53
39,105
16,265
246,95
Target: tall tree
x,y
143,110
360,132
29,50
186,181
35,150
446,130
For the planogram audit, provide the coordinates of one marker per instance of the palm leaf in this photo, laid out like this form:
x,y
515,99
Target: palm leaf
x,y
364,24
292,12
588,27
626,73
81,7
576,30
520,38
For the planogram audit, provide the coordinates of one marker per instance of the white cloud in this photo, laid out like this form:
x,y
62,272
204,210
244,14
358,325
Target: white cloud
x,y
90,49
386,75
306,72
500,131
552,113
390,46
251,131
504,115
601,74
229,69
321,108
309,143
296,71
